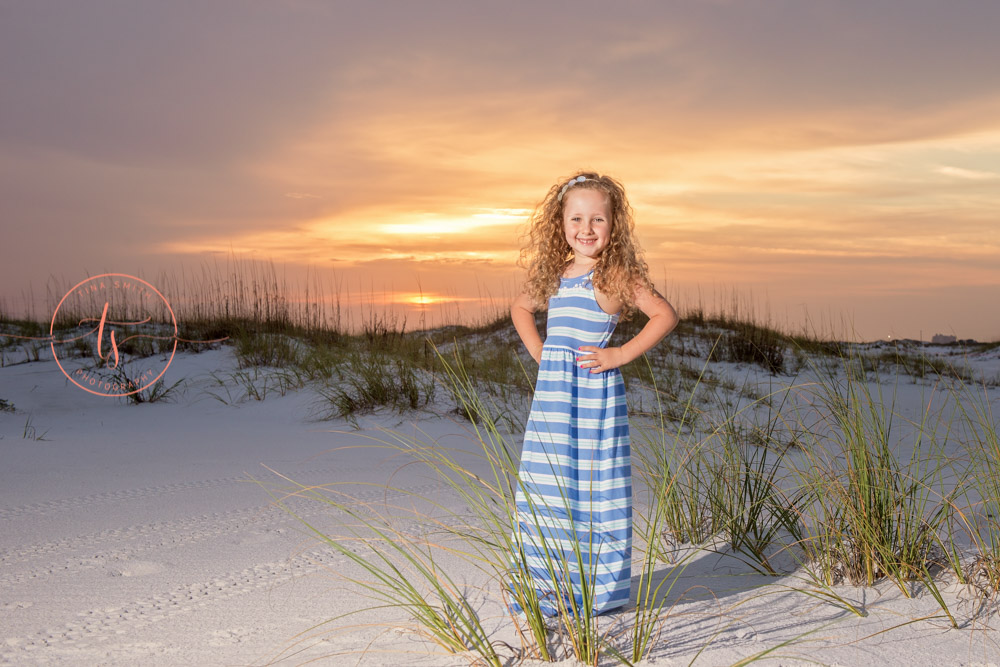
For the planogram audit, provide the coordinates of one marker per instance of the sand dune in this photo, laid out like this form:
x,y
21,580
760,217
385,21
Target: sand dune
x,y
135,534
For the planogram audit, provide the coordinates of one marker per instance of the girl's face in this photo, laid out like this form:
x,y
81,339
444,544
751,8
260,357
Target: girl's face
x,y
587,222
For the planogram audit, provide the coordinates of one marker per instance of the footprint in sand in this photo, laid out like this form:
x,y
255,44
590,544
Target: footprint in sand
x,y
138,568
230,636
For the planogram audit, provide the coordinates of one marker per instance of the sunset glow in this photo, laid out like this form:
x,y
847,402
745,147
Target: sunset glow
x,y
429,226
823,167
427,299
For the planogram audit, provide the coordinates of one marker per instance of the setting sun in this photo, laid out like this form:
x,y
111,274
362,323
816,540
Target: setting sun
x,y
423,300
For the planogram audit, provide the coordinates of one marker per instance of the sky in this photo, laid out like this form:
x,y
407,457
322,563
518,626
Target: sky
x,y
829,166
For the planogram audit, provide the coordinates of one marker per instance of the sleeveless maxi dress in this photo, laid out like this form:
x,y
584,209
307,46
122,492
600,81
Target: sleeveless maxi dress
x,y
574,498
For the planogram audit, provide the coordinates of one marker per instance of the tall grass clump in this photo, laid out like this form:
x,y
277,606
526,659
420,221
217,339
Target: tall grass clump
x,y
748,342
684,513
749,504
253,384
876,512
738,333
981,491
370,381
21,338
253,295
680,455
255,348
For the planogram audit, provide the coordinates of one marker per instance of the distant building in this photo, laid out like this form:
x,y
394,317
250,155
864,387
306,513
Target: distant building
x,y
941,339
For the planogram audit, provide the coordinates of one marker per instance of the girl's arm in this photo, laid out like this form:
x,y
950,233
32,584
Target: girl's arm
x,y
522,313
662,320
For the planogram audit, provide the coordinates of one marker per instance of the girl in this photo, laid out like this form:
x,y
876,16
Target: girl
x,y
574,498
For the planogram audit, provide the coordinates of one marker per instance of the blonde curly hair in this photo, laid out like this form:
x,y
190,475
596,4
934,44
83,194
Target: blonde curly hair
x,y
620,266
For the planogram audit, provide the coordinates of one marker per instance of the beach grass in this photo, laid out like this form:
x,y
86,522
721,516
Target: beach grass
x,y
979,515
851,509
785,453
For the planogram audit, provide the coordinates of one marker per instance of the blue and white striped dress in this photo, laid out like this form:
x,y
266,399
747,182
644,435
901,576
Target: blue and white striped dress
x,y
574,499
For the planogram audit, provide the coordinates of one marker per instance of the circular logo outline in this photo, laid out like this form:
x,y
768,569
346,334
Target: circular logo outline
x,y
173,319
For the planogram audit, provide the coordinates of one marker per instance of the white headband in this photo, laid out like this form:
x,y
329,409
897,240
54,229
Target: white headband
x,y
572,182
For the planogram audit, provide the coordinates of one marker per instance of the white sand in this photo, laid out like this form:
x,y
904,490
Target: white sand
x,y
130,535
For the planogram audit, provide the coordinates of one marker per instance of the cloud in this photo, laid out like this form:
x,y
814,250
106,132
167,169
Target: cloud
x,y
968,174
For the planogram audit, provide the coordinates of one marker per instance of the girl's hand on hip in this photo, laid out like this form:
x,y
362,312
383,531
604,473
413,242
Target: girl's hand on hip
x,y
600,359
